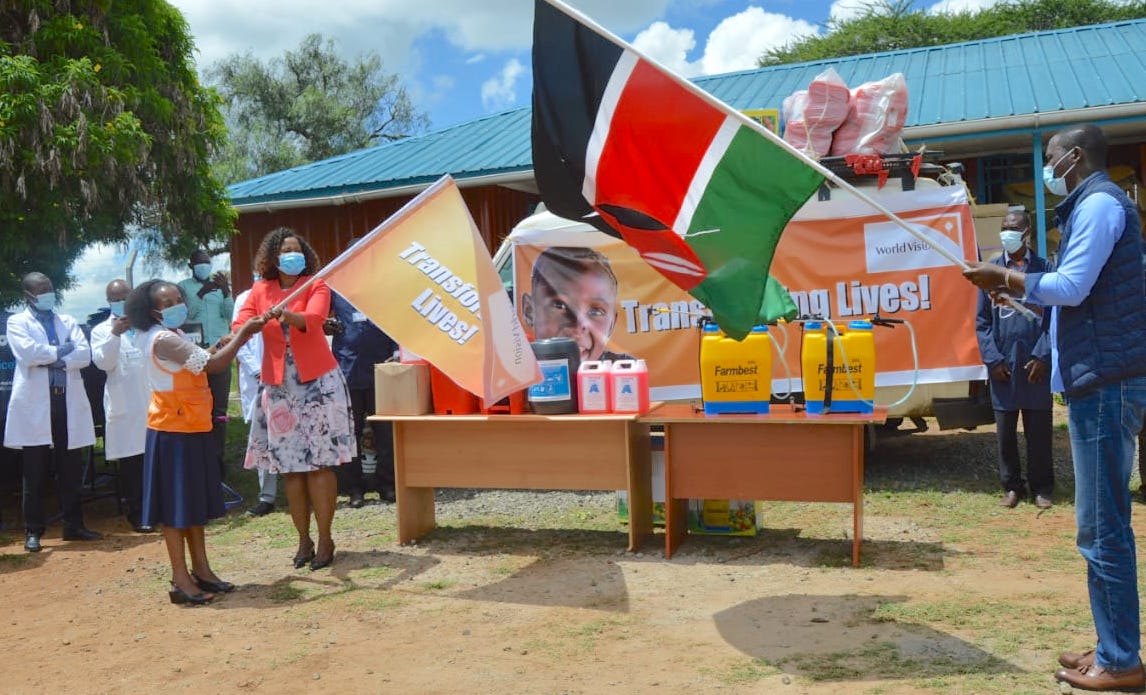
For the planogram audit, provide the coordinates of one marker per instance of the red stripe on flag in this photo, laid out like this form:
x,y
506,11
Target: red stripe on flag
x,y
657,138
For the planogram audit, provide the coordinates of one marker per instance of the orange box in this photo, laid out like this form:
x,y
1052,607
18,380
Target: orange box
x,y
449,398
515,403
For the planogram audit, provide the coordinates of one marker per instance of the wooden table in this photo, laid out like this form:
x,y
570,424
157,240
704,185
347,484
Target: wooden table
x,y
781,456
522,452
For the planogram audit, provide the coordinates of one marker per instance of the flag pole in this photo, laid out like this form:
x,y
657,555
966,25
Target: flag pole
x,y
776,140
403,212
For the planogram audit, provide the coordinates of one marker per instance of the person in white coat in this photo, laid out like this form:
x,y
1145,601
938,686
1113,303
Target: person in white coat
x,y
250,359
49,417
125,398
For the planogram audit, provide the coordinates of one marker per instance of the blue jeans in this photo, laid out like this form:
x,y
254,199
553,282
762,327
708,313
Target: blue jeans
x,y
1104,425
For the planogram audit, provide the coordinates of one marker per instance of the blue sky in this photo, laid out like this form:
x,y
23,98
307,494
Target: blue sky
x,y
462,59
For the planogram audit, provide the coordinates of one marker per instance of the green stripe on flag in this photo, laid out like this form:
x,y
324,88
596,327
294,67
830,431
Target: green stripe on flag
x,y
753,192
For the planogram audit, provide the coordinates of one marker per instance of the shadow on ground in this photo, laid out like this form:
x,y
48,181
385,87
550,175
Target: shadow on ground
x,y
838,638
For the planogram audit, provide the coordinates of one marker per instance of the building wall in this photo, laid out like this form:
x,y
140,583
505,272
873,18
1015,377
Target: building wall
x,y
329,228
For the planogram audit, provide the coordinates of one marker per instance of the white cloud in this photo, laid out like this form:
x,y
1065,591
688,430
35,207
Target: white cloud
x,y
669,47
498,92
738,41
735,44
843,10
956,6
266,28
477,58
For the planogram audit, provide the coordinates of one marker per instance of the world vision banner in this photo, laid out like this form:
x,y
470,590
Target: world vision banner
x,y
836,258
424,276
842,259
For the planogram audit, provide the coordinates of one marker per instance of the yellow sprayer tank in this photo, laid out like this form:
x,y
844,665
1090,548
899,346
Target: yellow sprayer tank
x,y
735,375
837,395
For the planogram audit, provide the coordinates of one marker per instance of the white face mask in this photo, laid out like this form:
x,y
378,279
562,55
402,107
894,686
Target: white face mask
x,y
1057,184
1012,240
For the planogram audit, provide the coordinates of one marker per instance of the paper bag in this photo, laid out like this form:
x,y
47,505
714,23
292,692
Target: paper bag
x,y
402,389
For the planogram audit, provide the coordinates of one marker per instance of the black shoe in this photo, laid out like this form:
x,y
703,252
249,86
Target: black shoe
x,y
180,596
319,563
357,501
387,495
304,557
32,542
143,528
261,509
81,534
219,587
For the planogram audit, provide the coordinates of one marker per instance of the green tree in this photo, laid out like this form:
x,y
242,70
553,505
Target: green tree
x,y
888,25
103,125
308,105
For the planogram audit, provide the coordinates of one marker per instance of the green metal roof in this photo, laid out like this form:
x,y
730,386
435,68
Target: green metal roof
x,y
1035,73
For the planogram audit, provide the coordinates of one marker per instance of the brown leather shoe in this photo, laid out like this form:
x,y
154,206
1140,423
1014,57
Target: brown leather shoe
x,y
1011,499
1077,660
1043,502
1096,678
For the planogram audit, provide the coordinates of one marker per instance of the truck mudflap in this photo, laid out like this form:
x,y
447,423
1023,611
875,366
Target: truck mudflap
x,y
965,413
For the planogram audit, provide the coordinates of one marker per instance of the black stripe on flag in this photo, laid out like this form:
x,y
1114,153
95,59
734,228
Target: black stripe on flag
x,y
571,68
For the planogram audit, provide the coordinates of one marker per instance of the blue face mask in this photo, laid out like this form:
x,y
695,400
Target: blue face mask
x,y
117,307
292,263
201,271
44,302
174,316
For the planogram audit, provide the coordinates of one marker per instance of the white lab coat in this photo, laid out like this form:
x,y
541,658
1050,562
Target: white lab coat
x,y
29,420
250,357
126,394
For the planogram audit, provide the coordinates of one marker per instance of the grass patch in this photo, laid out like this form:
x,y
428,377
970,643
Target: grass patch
x,y
286,592
747,672
439,584
14,560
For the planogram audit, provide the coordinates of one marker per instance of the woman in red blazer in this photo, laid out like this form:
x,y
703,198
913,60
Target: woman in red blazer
x,y
302,425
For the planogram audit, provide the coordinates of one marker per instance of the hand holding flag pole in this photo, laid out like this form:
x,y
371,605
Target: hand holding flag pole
x,y
743,120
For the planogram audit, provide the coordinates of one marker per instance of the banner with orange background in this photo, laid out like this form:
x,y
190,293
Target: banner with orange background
x,y
425,277
838,258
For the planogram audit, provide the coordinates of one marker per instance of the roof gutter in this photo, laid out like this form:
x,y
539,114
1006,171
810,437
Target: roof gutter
x,y
1025,122
361,196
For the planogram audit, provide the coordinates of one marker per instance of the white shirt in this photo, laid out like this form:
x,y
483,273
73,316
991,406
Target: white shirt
x,y
250,357
126,394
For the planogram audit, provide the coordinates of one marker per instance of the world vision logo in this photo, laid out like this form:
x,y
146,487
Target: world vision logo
x,y
888,247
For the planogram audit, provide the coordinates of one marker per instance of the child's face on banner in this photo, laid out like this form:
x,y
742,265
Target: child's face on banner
x,y
580,306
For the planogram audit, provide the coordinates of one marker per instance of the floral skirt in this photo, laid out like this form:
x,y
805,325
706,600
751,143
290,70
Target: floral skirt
x,y
300,427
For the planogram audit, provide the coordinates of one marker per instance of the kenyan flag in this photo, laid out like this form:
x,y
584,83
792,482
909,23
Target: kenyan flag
x,y
630,148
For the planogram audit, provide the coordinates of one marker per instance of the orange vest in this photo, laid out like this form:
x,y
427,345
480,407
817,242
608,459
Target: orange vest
x,y
182,404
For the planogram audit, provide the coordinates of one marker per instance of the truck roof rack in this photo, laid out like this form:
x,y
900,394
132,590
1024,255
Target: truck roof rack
x,y
860,168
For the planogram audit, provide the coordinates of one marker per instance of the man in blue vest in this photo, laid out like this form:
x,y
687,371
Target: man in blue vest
x,y
1098,362
1017,355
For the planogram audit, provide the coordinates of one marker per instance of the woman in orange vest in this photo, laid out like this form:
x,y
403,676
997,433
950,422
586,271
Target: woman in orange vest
x,y
182,488
302,425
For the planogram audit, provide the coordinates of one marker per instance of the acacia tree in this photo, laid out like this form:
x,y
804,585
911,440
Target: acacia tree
x,y
103,125
308,105
888,25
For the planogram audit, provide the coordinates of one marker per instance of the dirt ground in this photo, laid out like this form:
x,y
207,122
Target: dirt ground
x,y
559,607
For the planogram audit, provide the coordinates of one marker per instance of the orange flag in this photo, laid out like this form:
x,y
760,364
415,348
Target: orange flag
x,y
425,277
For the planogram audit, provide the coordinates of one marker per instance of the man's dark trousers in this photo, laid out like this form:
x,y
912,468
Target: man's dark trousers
x,y
40,462
220,384
362,403
1037,429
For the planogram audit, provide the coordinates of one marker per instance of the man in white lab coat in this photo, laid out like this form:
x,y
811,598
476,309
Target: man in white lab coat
x,y
49,416
250,361
125,399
